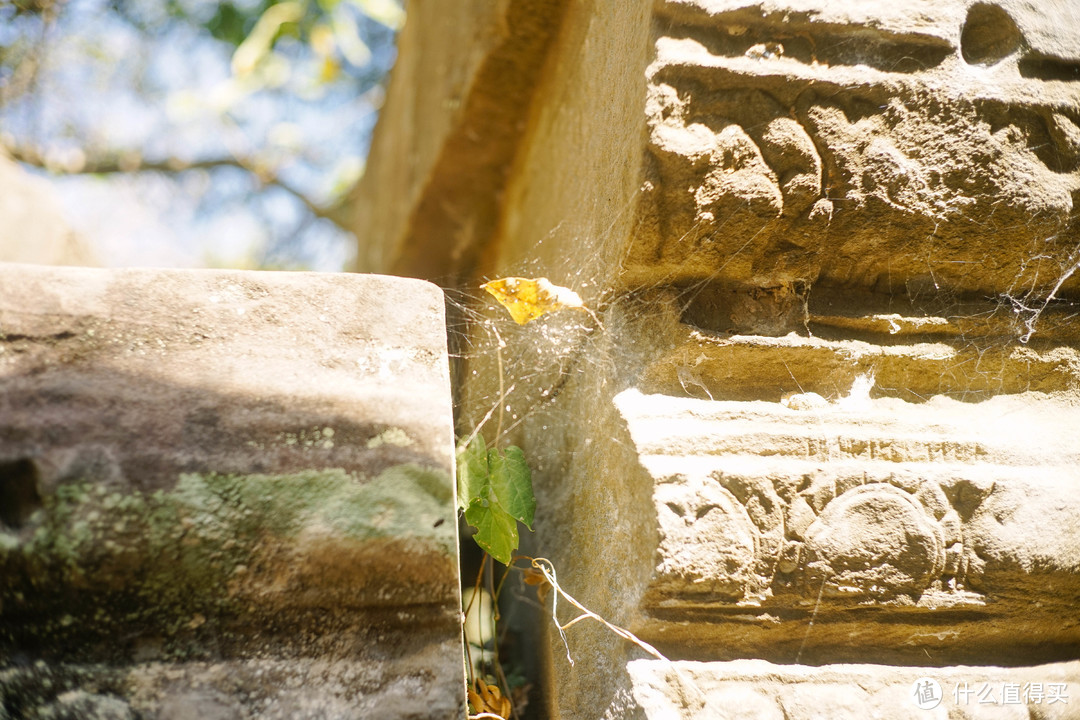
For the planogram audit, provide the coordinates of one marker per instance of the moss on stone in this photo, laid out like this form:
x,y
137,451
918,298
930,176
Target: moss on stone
x,y
95,559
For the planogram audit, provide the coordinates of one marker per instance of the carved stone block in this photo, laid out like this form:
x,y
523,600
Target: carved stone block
x,y
845,513
820,144
825,414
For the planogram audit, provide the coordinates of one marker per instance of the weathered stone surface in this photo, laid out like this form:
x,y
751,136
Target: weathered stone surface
x,y
825,413
911,356
758,689
294,688
227,468
766,119
478,62
850,512
232,353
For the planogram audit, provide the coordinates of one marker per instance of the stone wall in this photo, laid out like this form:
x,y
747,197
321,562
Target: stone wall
x,y
225,495
825,412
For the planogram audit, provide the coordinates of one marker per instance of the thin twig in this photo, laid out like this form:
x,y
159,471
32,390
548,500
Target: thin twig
x,y
483,421
813,617
173,166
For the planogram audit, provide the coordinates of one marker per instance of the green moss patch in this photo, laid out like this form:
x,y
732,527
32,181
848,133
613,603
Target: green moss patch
x,y
94,560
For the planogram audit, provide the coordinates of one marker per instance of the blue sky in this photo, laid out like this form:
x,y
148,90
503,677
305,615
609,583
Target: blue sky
x,y
105,88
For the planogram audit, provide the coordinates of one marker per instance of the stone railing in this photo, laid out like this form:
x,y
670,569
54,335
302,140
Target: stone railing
x,y
225,495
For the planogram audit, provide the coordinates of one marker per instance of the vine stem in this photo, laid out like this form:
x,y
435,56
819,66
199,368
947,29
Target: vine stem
x,y
476,592
500,676
502,391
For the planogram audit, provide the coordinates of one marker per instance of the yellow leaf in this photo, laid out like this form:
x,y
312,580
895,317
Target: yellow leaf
x,y
528,299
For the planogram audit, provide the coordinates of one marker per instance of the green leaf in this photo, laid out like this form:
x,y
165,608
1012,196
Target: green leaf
x,y
495,491
473,474
511,481
496,530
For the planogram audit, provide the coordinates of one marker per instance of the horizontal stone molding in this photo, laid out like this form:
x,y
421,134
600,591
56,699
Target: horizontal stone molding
x,y
755,367
771,518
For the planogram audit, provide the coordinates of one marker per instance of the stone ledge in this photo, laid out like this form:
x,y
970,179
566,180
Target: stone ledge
x,y
1007,431
764,691
745,367
260,372
231,467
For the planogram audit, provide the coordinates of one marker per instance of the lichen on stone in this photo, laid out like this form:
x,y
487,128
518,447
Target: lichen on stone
x,y
215,548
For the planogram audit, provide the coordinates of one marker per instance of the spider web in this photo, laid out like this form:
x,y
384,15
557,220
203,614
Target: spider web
x,y
509,378
506,373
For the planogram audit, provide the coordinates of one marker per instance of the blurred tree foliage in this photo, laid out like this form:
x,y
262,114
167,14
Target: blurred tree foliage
x,y
333,30
267,104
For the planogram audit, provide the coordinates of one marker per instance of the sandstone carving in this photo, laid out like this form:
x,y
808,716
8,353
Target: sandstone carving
x,y
848,506
824,415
